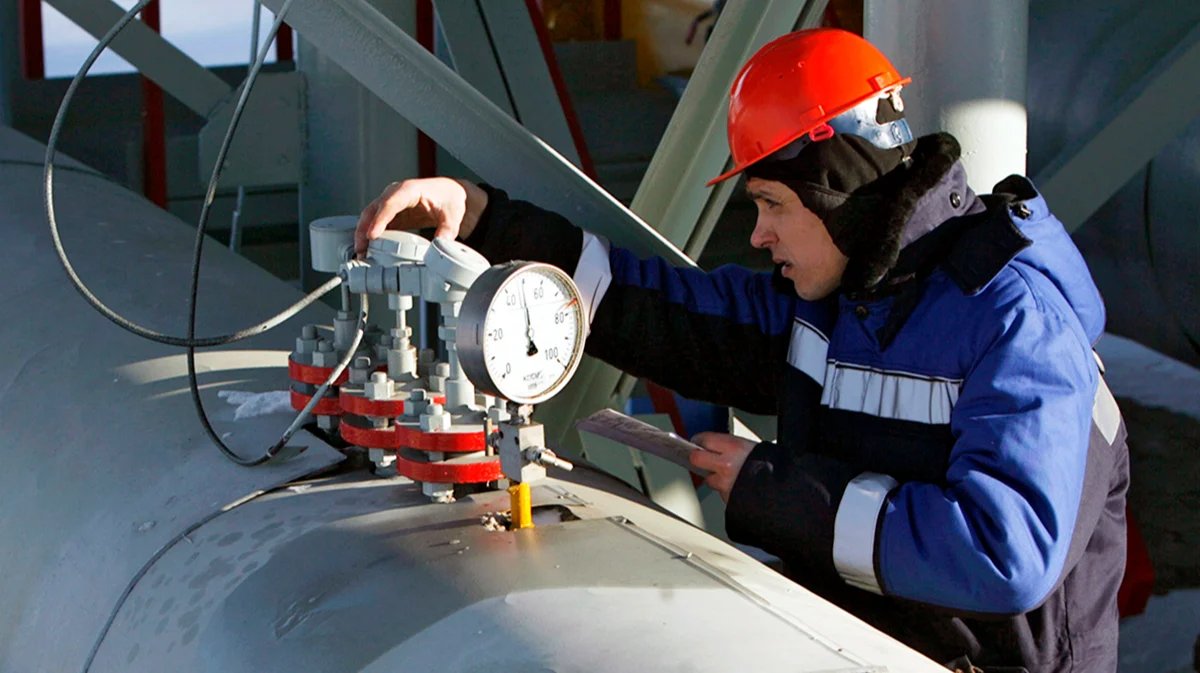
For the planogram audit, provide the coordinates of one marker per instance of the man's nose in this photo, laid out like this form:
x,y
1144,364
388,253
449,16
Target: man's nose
x,y
762,236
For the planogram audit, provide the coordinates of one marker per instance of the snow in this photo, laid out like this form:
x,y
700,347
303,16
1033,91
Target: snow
x,y
1149,377
250,405
1161,640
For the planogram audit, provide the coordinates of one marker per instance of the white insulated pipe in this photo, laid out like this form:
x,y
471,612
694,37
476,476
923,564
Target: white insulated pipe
x,y
967,59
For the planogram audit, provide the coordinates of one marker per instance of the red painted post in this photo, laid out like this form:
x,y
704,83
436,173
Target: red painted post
x,y
33,55
560,87
284,44
154,132
612,20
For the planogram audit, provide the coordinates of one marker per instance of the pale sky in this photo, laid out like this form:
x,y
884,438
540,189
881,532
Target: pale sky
x,y
214,32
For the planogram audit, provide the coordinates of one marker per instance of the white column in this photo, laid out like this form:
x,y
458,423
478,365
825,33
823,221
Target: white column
x,y
967,59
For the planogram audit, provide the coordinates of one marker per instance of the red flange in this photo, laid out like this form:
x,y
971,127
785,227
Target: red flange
x,y
357,404
312,374
328,406
460,470
411,436
462,441
371,438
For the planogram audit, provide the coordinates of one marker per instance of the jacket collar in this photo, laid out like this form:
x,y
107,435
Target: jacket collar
x,y
902,207
925,218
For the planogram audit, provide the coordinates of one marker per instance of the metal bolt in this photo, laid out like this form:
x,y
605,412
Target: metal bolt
x,y
308,332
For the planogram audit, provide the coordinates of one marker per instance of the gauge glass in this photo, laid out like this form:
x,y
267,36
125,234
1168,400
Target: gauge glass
x,y
533,334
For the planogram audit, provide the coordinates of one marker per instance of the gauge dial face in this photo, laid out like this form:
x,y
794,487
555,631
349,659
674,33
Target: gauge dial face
x,y
532,334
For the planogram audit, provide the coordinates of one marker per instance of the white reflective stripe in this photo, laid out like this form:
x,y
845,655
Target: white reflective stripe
x,y
808,349
889,394
1105,413
854,529
593,274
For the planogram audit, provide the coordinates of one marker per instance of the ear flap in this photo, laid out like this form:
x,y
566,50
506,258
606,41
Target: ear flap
x,y
869,226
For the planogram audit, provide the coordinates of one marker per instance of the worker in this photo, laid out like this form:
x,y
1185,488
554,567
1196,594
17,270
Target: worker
x,y
950,466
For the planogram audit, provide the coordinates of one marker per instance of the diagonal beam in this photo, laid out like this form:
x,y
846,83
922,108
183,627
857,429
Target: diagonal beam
x,y
1152,113
470,47
527,73
160,61
672,194
460,119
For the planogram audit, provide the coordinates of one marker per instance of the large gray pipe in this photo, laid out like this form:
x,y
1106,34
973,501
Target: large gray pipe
x,y
128,544
967,60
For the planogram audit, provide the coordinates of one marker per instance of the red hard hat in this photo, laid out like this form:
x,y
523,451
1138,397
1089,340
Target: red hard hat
x,y
797,83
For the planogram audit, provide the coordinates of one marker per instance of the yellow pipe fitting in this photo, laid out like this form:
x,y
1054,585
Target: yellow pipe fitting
x,y
522,505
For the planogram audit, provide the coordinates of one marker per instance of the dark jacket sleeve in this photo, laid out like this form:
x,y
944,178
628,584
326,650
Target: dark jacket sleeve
x,y
785,503
717,336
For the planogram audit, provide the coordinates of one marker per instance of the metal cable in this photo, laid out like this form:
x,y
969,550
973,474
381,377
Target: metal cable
x,y
278,448
116,318
209,196
191,342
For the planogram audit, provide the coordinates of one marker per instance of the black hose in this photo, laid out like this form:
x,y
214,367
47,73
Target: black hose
x,y
197,253
51,218
277,450
191,342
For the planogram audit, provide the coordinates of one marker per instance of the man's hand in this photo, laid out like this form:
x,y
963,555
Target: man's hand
x,y
724,458
451,207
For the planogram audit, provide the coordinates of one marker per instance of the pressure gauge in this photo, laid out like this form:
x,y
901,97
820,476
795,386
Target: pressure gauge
x,y
521,331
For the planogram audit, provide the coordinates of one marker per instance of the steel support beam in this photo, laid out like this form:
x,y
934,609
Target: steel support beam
x,y
470,49
672,195
434,98
1151,114
527,74
159,60
967,59
354,143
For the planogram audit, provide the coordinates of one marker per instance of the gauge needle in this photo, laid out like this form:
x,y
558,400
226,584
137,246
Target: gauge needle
x,y
533,349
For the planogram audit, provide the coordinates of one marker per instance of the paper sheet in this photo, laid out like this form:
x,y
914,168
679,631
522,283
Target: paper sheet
x,y
642,436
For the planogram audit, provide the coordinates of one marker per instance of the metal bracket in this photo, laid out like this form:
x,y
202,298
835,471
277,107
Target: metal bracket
x,y
267,146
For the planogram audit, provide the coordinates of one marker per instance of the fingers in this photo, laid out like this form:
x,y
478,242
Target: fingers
x,y
723,456
364,223
376,217
416,204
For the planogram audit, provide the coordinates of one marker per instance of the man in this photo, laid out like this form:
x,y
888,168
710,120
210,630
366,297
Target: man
x,y
950,466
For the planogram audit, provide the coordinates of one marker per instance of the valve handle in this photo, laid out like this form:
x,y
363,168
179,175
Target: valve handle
x,y
547,458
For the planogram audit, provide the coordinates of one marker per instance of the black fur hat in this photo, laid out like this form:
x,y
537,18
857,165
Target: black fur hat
x,y
863,194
